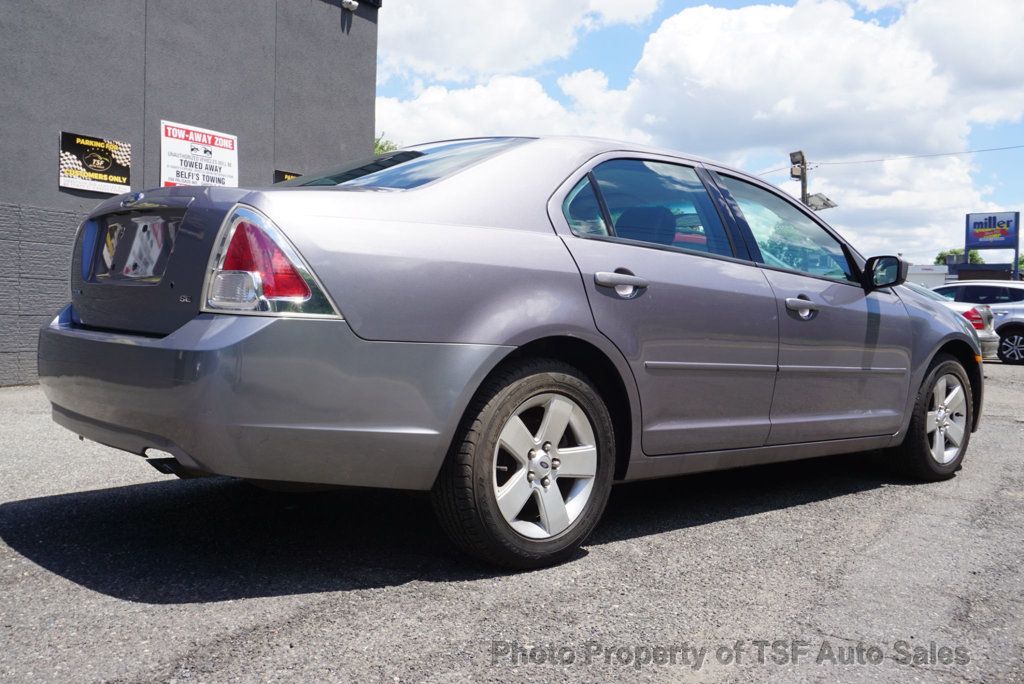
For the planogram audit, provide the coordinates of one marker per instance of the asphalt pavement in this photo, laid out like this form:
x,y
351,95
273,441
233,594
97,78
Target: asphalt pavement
x,y
826,570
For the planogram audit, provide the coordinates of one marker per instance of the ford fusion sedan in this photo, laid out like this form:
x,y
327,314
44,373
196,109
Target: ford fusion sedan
x,y
513,324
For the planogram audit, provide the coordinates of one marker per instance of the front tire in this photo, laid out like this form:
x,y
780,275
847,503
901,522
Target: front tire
x,y
1011,346
529,473
940,428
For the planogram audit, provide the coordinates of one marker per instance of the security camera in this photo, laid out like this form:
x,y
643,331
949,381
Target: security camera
x,y
350,5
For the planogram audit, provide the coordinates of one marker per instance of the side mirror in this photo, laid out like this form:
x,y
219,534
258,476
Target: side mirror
x,y
884,271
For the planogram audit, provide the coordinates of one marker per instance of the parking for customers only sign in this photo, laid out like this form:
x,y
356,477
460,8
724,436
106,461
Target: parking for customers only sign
x,y
197,156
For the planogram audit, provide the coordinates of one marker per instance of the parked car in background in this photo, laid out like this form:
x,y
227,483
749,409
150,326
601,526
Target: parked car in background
x,y
979,315
511,323
1007,301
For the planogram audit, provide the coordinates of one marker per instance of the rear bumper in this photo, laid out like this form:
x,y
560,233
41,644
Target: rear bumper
x,y
989,344
267,398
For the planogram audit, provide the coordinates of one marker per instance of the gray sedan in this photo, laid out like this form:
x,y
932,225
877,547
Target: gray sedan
x,y
511,323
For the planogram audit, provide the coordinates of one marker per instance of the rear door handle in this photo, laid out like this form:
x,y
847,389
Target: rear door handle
x,y
606,279
804,308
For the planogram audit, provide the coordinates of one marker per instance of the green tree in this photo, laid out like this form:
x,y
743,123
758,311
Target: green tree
x,y
382,145
974,257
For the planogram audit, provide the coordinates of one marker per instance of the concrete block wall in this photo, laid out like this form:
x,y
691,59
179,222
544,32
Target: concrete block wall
x,y
35,253
295,80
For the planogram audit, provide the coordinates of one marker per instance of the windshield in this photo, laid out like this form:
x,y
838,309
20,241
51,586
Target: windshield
x,y
409,168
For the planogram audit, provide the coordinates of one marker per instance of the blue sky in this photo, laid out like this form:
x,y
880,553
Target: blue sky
x,y
899,77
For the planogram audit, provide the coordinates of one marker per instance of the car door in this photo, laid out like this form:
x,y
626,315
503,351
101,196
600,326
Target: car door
x,y
697,323
844,354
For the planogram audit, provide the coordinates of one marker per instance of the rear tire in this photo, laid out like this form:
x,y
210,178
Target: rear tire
x,y
539,437
940,428
1011,346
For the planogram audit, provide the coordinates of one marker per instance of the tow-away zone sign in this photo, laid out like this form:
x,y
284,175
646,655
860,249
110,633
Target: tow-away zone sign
x,y
197,156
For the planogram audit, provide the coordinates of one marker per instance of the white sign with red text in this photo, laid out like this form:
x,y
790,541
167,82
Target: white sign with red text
x,y
190,155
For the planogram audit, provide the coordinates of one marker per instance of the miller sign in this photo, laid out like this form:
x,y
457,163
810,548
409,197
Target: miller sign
x,y
996,229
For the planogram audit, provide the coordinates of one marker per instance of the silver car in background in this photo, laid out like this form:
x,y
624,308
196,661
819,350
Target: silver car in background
x,y
511,323
1007,301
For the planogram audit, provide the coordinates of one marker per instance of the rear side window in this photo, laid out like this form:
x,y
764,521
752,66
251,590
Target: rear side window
x,y
947,292
990,294
583,210
410,168
659,203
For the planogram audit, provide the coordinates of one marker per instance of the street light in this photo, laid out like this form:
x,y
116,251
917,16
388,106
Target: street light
x,y
818,201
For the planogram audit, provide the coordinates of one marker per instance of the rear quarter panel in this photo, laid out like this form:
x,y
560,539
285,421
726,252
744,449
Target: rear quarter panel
x,y
421,282
401,281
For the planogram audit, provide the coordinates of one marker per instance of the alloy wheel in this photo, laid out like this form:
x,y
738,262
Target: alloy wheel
x,y
1011,347
947,418
544,465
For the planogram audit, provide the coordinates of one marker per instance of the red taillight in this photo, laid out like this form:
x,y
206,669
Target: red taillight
x,y
253,251
975,318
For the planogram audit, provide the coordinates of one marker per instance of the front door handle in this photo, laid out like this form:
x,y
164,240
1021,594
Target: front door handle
x,y
803,307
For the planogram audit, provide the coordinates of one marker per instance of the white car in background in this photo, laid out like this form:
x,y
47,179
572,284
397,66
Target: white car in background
x,y
980,316
1006,297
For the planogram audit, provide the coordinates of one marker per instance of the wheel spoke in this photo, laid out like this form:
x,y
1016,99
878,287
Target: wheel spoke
x,y
931,423
939,392
513,495
939,446
516,438
578,461
553,516
955,433
556,418
955,399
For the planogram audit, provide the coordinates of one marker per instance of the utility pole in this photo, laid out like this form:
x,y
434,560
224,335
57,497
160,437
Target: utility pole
x,y
799,170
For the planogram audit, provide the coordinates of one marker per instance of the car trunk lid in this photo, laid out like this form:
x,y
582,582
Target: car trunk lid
x,y
139,261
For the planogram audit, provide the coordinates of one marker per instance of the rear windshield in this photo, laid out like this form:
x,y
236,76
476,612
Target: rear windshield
x,y
409,168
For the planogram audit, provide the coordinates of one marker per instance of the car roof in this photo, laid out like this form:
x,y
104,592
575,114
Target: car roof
x,y
596,145
1010,283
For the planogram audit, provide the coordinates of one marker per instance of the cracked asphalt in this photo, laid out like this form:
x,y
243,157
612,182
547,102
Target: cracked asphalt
x,y
110,571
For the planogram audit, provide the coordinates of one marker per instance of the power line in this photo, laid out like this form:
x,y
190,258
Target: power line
x,y
908,156
921,156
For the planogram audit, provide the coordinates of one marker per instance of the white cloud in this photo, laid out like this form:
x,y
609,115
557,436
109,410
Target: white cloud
x,y
977,46
458,40
766,79
876,5
810,75
507,105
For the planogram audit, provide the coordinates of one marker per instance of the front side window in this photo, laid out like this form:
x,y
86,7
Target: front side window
x,y
786,236
948,293
660,203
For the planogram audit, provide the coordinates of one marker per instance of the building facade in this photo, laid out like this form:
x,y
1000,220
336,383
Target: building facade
x,y
293,81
